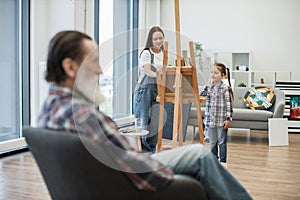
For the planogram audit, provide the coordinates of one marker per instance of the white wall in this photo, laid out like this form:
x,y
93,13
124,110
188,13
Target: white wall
x,y
269,28
149,15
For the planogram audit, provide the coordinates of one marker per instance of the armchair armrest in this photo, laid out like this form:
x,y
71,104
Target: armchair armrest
x,y
279,106
279,109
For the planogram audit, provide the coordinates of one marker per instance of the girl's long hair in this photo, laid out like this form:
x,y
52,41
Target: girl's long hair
x,y
225,71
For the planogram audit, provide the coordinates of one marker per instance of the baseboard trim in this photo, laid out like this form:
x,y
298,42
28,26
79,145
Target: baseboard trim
x,y
12,145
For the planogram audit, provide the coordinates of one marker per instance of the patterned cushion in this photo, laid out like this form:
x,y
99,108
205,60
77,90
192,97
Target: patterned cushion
x,y
259,98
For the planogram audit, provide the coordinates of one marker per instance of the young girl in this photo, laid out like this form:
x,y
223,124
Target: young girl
x,y
218,111
146,89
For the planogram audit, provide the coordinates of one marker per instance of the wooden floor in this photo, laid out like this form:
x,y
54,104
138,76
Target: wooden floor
x,y
266,172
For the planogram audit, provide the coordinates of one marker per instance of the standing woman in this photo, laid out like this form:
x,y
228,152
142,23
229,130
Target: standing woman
x,y
218,111
150,60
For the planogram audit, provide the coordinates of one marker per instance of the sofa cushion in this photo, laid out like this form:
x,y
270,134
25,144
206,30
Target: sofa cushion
x,y
193,112
239,93
259,98
251,115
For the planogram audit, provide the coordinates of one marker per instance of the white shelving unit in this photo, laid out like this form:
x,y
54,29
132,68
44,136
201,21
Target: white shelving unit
x,y
250,78
234,59
269,78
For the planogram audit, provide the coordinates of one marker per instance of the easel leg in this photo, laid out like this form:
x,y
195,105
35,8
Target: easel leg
x,y
200,125
175,124
160,126
180,136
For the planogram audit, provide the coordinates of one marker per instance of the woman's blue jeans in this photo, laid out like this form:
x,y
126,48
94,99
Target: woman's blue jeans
x,y
144,98
218,137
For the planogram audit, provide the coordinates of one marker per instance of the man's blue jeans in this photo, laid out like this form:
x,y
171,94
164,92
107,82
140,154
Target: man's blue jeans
x,y
198,162
218,137
144,98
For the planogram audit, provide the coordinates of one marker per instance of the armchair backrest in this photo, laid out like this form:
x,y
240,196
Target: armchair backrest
x,y
71,172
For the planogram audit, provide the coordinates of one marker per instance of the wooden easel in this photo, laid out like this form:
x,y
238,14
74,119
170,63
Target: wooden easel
x,y
177,84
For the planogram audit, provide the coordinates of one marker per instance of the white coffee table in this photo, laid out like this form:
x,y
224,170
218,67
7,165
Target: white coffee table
x,y
137,135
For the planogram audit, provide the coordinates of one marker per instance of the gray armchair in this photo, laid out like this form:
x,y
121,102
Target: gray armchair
x,y
71,172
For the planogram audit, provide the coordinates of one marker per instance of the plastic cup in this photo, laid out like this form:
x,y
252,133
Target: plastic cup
x,y
138,125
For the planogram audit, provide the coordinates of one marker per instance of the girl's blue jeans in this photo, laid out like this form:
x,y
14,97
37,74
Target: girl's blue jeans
x,y
144,98
218,137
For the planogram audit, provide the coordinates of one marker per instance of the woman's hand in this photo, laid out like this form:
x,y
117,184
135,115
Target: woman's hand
x,y
148,70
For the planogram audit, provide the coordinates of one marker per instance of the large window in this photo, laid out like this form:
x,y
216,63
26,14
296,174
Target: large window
x,y
118,54
13,71
117,20
106,53
14,78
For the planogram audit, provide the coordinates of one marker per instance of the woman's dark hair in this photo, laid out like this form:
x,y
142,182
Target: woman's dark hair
x,y
225,71
149,42
65,44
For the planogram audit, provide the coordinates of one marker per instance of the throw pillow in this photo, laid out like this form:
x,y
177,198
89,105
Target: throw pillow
x,y
259,98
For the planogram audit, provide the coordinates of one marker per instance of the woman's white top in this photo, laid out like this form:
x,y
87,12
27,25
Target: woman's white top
x,y
145,58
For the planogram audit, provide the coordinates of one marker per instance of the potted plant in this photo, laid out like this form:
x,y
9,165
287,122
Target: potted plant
x,y
198,54
242,84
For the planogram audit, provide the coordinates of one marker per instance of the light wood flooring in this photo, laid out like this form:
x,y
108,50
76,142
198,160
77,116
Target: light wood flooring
x,y
266,172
